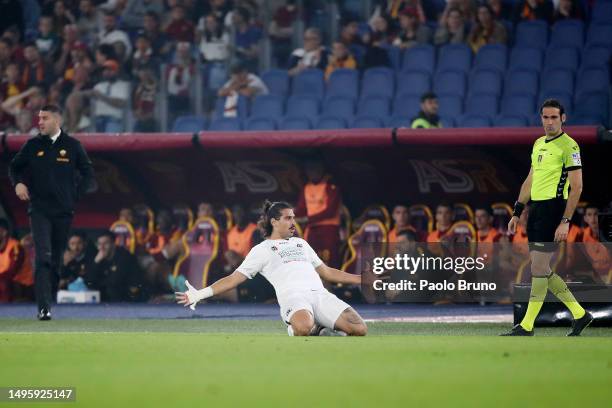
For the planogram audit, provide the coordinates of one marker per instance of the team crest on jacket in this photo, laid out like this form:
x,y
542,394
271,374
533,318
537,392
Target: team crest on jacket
x,y
62,152
40,153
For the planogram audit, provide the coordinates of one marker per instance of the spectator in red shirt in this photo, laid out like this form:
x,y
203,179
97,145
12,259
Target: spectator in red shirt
x,y
179,28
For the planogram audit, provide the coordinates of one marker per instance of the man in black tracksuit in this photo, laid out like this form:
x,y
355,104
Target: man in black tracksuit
x,y
51,171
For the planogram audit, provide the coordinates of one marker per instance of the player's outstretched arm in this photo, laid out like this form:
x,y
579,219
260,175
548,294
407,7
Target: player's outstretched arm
x,y
337,276
192,296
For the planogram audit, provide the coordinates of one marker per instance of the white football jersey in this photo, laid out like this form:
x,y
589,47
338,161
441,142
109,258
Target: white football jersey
x,y
288,264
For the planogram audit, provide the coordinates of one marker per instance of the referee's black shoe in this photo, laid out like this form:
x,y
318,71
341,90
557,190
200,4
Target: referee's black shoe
x,y
578,325
44,314
518,330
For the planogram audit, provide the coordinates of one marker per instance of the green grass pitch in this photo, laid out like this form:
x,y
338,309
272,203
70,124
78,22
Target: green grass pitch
x,y
212,363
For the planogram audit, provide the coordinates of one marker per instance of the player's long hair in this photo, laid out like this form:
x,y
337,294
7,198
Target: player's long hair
x,y
268,211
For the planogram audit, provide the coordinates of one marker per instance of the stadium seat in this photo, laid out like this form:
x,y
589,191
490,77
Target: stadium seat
x,y
595,57
531,34
449,83
602,12
277,81
527,58
454,57
510,121
521,81
581,120
203,242
562,58
474,121
399,122
447,122
377,106
593,104
379,81
225,124
395,56
330,122
593,80
450,106
303,105
339,106
242,107
600,34
343,82
309,82
189,124
518,105
267,105
419,57
482,104
563,97
406,105
493,56
366,122
485,81
567,33
557,80
260,123
413,83
295,123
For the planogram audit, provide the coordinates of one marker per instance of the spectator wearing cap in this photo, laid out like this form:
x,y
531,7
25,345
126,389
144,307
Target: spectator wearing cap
x,y
179,28
486,30
111,35
412,32
35,71
313,55
109,98
11,259
428,115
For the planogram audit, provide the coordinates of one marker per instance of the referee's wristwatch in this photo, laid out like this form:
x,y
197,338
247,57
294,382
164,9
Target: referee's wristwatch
x,y
565,220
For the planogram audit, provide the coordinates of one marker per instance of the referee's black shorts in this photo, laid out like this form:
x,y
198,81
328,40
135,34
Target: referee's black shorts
x,y
544,218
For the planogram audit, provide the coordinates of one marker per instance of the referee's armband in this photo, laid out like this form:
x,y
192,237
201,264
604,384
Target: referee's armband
x,y
518,209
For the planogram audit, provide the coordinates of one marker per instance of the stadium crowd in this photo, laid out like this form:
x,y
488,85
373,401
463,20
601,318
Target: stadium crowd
x,y
146,255
110,62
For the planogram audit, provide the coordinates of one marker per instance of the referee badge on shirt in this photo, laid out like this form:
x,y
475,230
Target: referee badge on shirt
x,y
576,159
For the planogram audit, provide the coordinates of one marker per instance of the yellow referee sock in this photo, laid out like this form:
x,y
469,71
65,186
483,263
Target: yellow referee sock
x,y
539,286
559,288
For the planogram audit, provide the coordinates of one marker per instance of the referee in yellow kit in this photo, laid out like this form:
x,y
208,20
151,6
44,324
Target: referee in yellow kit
x,y
555,167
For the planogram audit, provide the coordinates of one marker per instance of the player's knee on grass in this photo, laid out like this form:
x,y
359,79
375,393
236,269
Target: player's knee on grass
x,y
351,323
302,323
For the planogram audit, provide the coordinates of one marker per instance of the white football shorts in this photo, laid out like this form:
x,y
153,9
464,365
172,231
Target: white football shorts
x,y
324,306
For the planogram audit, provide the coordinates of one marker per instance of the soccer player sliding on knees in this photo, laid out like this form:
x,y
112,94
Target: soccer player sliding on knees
x,y
295,271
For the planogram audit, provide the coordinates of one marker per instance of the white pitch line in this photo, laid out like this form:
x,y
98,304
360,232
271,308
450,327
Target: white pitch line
x,y
499,318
